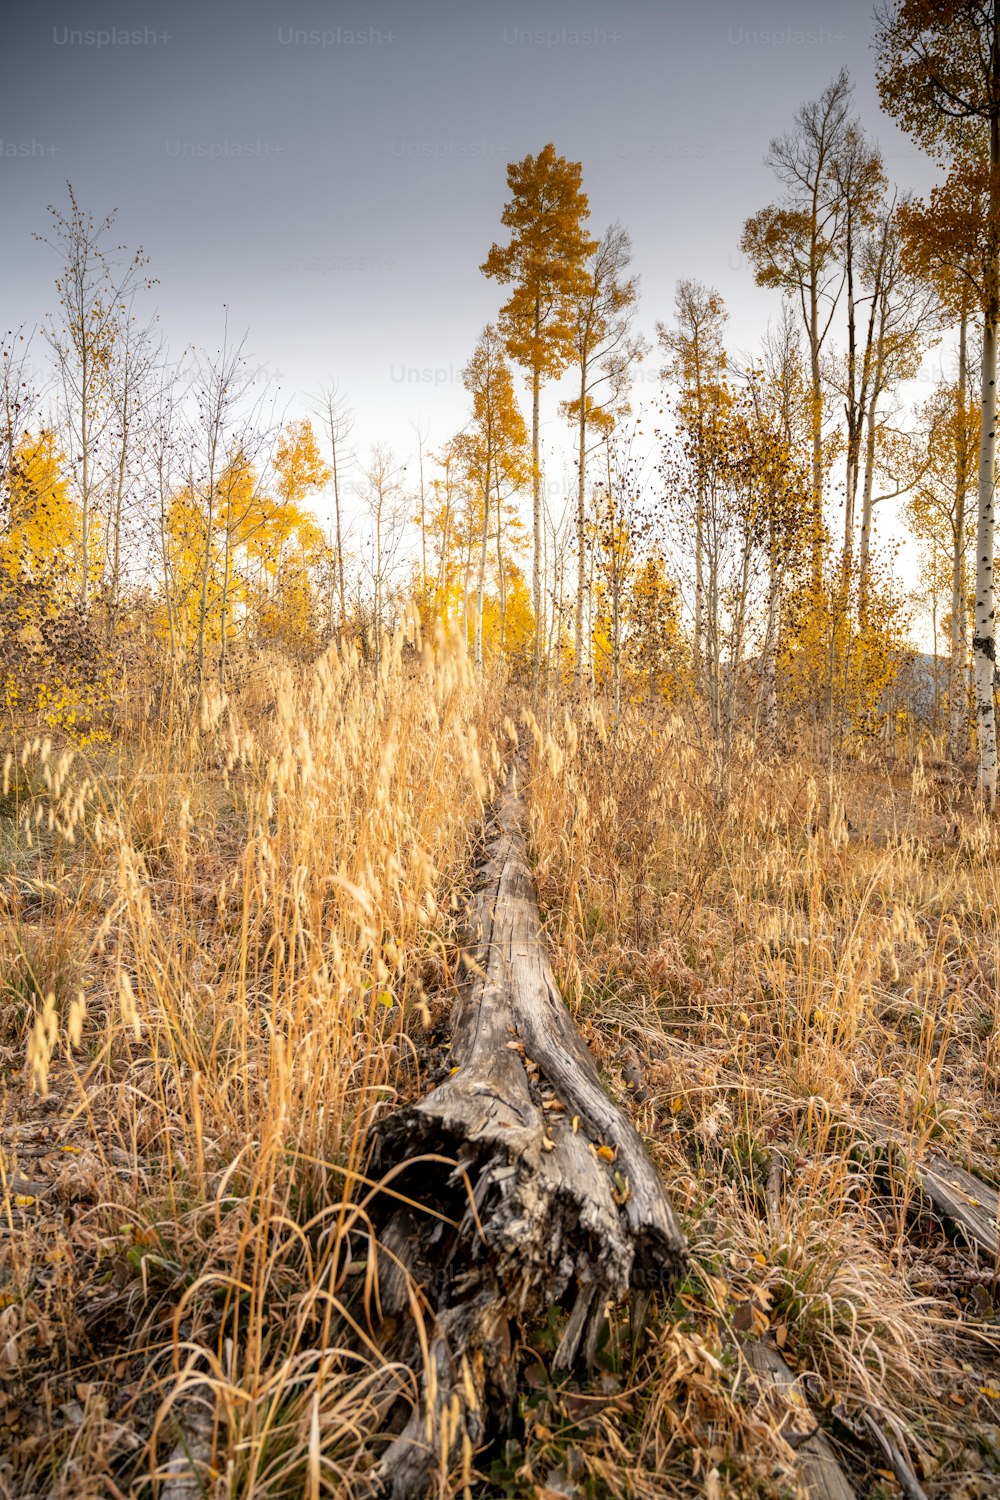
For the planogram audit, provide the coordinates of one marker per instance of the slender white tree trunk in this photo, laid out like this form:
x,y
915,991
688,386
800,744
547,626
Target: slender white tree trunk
x,y
867,501
536,511
581,532
771,652
340,544
699,580
477,653
591,674
956,667
984,642
501,571
816,420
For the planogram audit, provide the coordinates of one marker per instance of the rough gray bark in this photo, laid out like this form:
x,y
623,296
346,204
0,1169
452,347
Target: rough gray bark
x,y
553,1193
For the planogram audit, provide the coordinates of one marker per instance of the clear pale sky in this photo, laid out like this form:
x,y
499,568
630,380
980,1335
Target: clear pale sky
x,y
335,172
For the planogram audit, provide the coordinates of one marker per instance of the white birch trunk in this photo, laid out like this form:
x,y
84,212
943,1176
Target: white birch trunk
x,y
984,642
956,671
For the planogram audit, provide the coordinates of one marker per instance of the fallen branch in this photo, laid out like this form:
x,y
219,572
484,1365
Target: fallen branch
x,y
815,1461
963,1201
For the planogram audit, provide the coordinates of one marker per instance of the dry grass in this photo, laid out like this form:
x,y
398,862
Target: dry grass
x,y
224,952
222,944
780,976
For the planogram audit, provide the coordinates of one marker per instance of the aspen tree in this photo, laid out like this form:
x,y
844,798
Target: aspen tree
x,y
604,350
939,75
945,245
696,362
493,451
94,286
544,262
797,246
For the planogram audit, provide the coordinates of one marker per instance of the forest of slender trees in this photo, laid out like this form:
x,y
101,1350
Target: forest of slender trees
x,y
715,545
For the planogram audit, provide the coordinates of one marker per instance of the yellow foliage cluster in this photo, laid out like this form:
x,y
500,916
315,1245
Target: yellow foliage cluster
x,y
52,671
836,663
243,560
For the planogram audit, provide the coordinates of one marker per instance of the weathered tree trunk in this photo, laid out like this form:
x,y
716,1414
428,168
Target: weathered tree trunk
x,y
538,1187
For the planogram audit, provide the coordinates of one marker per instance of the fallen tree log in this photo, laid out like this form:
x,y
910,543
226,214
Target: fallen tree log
x,y
964,1203
552,1196
817,1467
816,1464
969,1205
